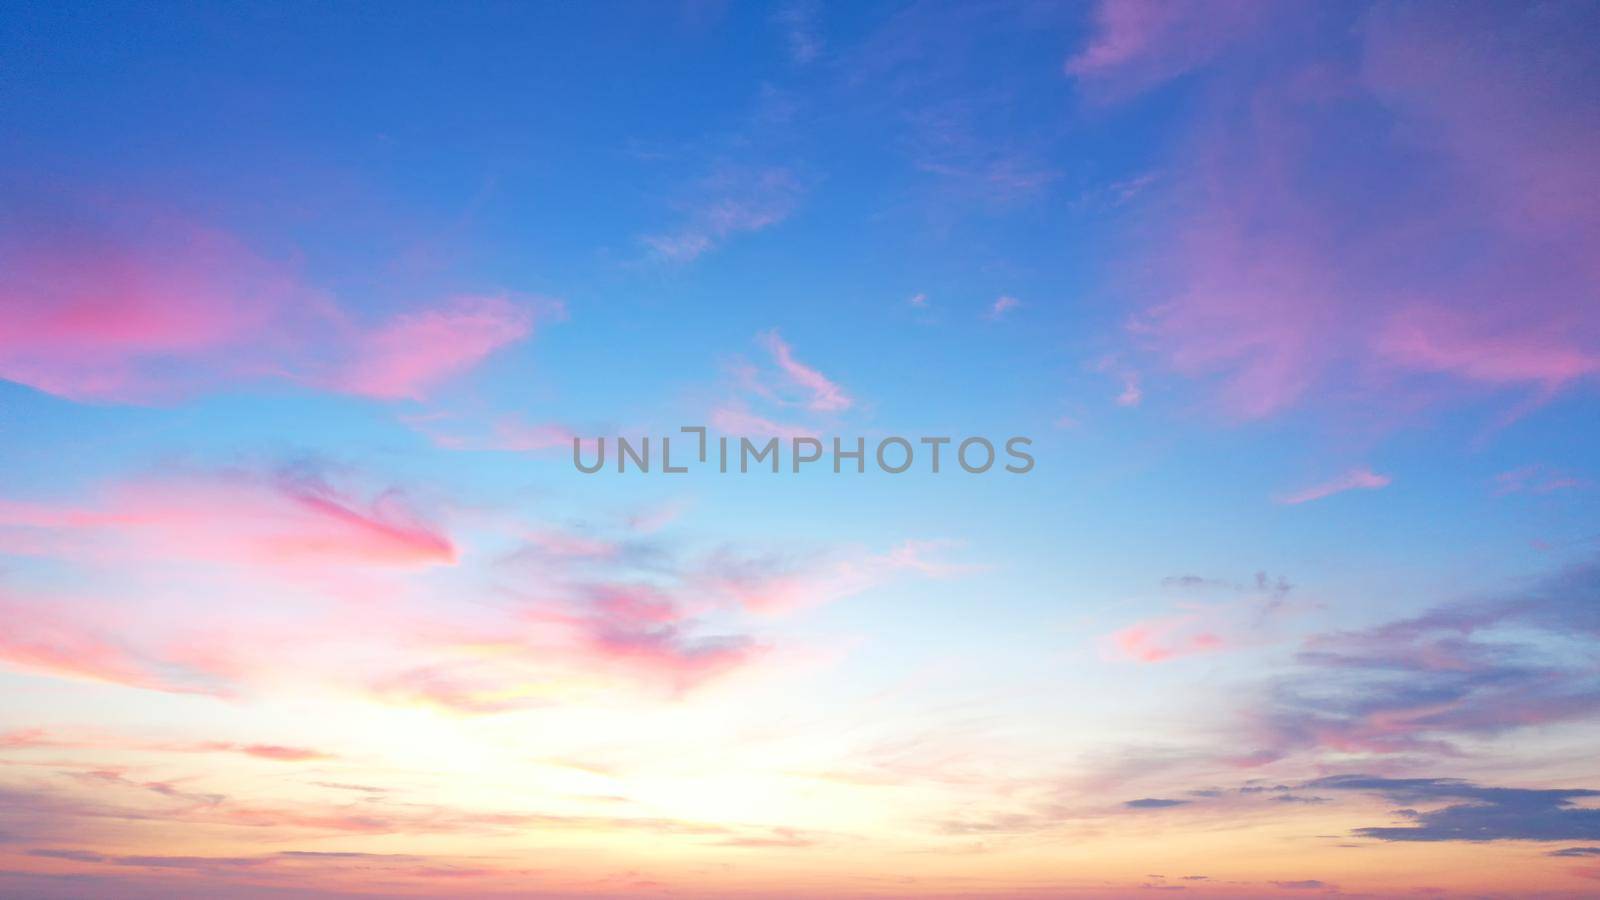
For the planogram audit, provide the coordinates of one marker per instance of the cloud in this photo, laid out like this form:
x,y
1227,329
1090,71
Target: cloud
x,y
1204,628
276,752
1439,255
94,306
736,419
304,561
1000,307
1434,339
31,738
1155,803
821,393
775,584
1577,852
116,304
192,580
82,641
975,158
780,837
1536,479
1138,44
290,516
765,398
639,629
1158,640
409,355
729,203
798,23
569,637
1353,480
1475,668
505,434
1484,813
1132,393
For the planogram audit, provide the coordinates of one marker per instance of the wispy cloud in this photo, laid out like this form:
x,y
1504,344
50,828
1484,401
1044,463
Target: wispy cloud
x,y
509,433
83,642
765,401
1138,44
1353,480
1474,813
1132,393
1154,803
1536,479
1202,628
737,419
405,358
821,393
728,203
288,516
1001,307
797,20
1417,685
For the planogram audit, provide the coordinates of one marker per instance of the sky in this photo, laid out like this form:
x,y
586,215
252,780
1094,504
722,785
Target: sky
x,y
303,308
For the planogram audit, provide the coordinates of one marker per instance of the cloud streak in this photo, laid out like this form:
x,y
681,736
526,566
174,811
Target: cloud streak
x,y
1353,480
1474,813
821,393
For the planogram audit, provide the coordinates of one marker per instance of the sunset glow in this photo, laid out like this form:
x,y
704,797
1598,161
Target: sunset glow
x,y
1182,422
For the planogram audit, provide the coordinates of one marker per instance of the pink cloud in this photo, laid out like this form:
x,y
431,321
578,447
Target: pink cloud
x,y
793,385
1452,252
128,306
276,752
1001,306
1138,44
587,639
1252,620
1249,310
42,637
410,354
1163,639
1355,479
242,517
458,689
571,638
1435,339
823,395
927,558
1132,393
567,623
98,312
640,629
